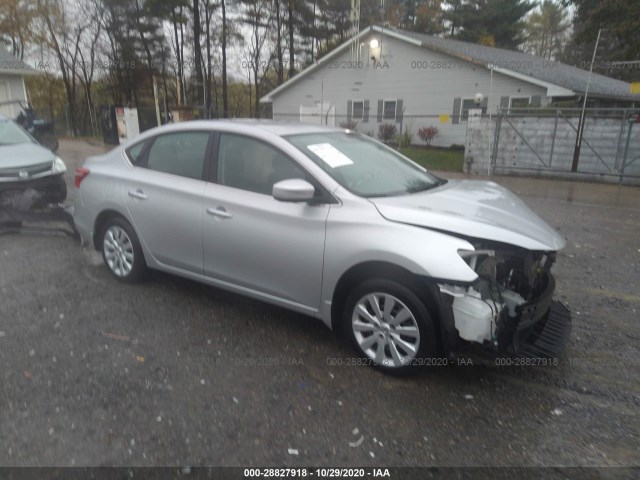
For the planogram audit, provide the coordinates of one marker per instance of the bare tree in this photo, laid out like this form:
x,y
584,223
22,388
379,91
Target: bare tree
x,y
278,25
88,57
61,29
258,16
197,50
209,10
16,19
225,88
291,30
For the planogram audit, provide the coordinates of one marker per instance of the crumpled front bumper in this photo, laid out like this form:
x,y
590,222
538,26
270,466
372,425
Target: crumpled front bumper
x,y
51,189
544,325
548,336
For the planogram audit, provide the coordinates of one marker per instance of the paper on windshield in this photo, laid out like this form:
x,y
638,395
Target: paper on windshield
x,y
330,155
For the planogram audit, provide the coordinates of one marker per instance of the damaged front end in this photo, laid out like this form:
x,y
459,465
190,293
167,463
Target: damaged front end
x,y
22,211
510,308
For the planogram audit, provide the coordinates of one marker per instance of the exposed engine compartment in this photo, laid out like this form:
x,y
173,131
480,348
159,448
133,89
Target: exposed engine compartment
x,y
510,280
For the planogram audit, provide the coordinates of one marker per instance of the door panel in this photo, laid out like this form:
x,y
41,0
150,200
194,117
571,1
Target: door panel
x,y
169,217
251,239
263,244
164,198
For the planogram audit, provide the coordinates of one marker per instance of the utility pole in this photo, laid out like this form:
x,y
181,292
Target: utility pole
x,y
576,150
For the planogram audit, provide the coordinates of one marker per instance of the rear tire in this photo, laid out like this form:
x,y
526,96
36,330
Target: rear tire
x,y
389,326
121,251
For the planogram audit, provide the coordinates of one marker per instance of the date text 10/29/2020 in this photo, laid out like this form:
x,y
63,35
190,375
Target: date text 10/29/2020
x,y
316,472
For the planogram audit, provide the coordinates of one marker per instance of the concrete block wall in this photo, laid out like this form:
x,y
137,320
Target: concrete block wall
x,y
526,146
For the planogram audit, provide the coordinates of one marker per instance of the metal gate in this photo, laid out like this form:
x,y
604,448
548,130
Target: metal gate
x,y
543,141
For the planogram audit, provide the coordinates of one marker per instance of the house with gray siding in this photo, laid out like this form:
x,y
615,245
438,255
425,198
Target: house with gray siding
x,y
387,75
12,87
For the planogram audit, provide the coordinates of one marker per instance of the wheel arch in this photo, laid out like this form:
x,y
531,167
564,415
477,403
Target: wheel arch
x,y
101,220
424,287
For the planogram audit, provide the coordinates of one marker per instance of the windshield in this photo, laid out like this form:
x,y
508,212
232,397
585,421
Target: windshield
x,y
362,165
12,134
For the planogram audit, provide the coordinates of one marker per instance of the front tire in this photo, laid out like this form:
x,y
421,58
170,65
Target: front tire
x,y
121,251
389,325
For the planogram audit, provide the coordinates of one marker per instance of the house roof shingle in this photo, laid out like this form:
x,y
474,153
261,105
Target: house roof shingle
x,y
557,73
528,67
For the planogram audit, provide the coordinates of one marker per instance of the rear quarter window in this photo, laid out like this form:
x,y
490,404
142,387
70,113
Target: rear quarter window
x,y
134,153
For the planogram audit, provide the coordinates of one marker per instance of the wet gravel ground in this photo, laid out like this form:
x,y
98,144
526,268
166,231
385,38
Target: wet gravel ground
x,y
174,373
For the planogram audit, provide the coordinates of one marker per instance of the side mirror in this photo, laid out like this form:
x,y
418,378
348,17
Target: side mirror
x,y
293,190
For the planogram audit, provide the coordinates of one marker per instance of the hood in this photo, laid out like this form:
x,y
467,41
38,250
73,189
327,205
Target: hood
x,y
472,208
24,155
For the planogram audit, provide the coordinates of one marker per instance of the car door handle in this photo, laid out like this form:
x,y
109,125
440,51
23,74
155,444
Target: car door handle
x,y
138,194
219,212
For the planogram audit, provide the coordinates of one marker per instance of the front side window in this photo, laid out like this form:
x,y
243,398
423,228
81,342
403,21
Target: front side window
x,y
389,112
180,153
363,165
249,164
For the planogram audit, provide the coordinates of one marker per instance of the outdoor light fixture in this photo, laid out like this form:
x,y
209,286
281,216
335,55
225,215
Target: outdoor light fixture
x,y
373,43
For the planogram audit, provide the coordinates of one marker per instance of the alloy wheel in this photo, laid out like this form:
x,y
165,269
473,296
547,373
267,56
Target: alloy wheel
x,y
118,250
385,330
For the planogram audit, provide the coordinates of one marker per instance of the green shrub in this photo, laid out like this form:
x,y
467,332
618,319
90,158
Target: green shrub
x,y
406,139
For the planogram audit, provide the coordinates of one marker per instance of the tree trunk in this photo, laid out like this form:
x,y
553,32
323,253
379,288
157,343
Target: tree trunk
x,y
198,53
256,63
208,15
183,85
225,97
178,58
279,43
292,70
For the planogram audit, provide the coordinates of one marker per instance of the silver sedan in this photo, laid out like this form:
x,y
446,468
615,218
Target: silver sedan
x,y
335,225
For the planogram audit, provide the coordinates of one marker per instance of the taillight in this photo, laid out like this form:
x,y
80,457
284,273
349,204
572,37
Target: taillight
x,y
81,174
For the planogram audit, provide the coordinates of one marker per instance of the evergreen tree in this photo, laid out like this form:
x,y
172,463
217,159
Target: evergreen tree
x,y
619,41
497,23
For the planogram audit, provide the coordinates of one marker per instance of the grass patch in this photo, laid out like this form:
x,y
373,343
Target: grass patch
x,y
436,158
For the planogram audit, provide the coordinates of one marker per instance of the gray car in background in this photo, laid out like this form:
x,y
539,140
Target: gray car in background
x,y
28,170
335,225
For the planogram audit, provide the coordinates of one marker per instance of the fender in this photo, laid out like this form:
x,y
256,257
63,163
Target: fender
x,y
423,252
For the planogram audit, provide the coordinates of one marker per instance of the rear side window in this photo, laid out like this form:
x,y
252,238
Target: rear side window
x,y
180,153
135,153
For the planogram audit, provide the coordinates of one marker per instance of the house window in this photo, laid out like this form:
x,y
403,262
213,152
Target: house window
x,y
389,110
357,110
519,102
469,104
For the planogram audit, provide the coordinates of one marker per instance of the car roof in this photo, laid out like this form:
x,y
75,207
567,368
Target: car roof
x,y
275,127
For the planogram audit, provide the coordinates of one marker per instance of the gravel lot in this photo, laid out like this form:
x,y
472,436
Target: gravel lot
x,y
175,373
